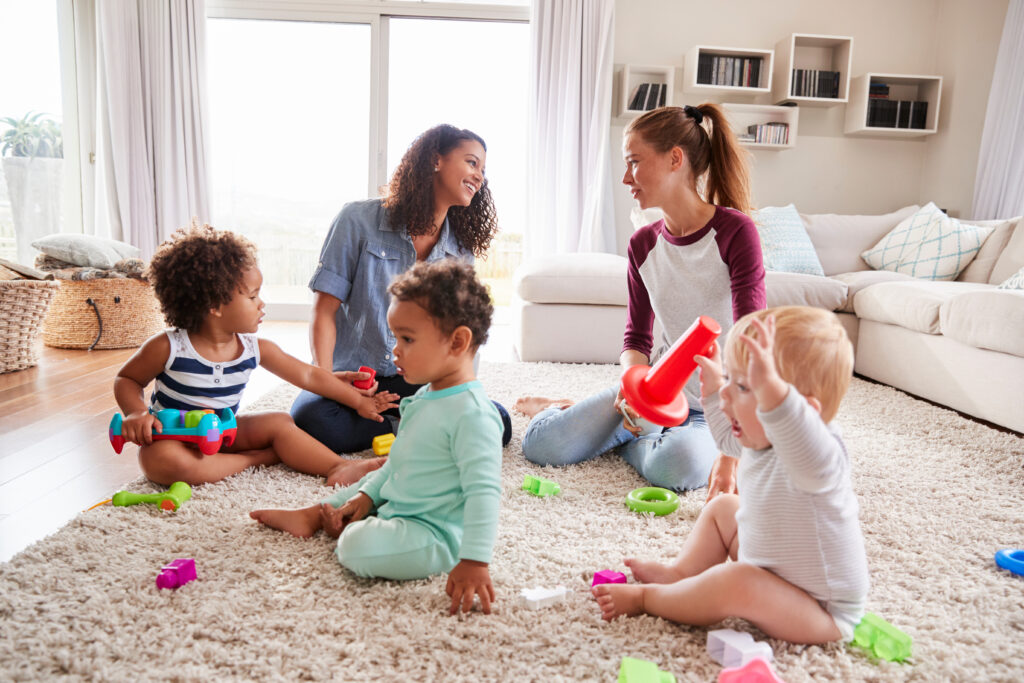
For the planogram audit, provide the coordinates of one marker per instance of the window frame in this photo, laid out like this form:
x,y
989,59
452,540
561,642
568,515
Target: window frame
x,y
375,13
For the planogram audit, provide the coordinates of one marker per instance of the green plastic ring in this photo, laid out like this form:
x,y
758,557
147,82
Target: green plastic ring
x,y
652,499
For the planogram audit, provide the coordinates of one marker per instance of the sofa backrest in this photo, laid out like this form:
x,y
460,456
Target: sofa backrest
x,y
839,239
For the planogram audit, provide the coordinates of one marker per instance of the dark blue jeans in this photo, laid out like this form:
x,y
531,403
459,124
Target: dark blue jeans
x,y
343,430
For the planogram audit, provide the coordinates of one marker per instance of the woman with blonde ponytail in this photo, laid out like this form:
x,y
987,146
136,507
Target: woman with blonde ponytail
x,y
703,258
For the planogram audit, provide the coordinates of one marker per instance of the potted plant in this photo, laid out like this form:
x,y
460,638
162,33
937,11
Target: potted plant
x,y
32,151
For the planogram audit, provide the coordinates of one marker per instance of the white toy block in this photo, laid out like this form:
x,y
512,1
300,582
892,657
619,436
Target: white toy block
x,y
536,598
735,648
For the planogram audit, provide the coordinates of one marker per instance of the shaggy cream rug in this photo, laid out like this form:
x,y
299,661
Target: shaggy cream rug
x,y
939,495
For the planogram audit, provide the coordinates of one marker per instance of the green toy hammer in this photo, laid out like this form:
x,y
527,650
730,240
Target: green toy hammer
x,y
171,499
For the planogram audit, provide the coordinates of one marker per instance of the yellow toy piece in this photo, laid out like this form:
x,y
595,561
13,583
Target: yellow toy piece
x,y
382,444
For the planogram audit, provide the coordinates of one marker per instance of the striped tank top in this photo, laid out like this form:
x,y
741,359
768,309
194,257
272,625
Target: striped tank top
x,y
190,382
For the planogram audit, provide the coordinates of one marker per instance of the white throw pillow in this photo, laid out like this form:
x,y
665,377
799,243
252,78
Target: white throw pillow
x,y
86,250
1015,281
928,245
785,245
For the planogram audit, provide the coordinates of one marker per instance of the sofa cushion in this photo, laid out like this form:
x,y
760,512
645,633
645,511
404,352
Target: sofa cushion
x,y
864,278
980,269
913,304
929,245
798,289
785,245
839,239
1015,281
580,278
988,319
1012,257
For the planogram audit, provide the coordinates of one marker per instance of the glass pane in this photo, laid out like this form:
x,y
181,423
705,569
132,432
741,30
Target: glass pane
x,y
289,132
31,185
471,74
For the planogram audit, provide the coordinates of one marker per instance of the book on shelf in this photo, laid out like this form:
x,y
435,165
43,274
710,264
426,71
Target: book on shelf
x,y
737,72
653,95
770,133
886,113
639,97
815,83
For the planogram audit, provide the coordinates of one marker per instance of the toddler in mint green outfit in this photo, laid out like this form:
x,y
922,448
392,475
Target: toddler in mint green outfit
x,y
436,498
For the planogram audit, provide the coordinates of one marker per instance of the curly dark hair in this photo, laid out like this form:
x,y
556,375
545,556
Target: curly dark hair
x,y
196,269
450,292
410,197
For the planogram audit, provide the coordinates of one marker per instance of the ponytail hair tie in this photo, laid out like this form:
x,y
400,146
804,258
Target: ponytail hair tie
x,y
694,114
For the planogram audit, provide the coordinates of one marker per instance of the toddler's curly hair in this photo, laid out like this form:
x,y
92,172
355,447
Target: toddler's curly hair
x,y
198,268
449,291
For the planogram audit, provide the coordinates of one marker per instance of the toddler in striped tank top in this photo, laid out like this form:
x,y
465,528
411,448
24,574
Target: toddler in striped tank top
x,y
208,284
798,569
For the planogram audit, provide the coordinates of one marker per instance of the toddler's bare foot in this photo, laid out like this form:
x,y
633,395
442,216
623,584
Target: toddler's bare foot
x,y
350,471
617,599
302,523
531,405
648,571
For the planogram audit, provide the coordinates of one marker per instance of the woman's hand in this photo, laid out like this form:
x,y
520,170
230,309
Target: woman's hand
x,y
712,377
470,578
334,520
138,427
349,377
631,419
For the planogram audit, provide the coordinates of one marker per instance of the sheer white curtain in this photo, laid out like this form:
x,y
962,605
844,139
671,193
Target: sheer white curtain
x,y
142,102
999,185
569,191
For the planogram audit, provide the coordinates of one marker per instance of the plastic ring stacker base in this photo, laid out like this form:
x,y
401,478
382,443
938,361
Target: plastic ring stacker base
x,y
652,499
1012,560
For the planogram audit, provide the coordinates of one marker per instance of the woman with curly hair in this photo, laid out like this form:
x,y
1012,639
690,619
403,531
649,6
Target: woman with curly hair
x,y
437,206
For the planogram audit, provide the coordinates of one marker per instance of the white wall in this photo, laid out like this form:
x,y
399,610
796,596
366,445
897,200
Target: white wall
x,y
828,172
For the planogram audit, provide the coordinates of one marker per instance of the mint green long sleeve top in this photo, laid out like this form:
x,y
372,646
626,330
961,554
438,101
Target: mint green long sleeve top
x,y
444,469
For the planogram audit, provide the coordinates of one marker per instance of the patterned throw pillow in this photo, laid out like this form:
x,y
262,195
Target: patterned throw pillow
x,y
928,245
1015,281
785,244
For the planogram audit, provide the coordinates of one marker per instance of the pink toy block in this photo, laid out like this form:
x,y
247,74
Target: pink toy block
x,y
176,573
754,671
608,576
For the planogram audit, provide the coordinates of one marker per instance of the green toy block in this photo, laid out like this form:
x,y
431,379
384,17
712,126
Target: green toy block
x,y
882,639
540,487
641,671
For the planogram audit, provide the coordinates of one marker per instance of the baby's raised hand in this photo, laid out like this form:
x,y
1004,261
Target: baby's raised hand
x,y
371,407
470,578
711,376
762,374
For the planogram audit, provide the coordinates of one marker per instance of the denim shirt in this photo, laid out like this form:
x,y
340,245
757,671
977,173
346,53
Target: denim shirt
x,y
362,254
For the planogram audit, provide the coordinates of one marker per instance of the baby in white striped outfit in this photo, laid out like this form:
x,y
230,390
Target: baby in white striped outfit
x,y
799,571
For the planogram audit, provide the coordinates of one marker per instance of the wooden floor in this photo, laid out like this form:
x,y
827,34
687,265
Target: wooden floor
x,y
55,457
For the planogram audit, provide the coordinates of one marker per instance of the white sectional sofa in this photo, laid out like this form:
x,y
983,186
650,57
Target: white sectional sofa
x,y
957,343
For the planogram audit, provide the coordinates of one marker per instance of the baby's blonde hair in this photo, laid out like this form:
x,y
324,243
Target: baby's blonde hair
x,y
812,352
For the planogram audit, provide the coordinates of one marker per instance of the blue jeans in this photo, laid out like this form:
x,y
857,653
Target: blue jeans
x,y
677,458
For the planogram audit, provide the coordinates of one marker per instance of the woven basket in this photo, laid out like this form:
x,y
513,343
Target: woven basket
x,y
22,307
112,313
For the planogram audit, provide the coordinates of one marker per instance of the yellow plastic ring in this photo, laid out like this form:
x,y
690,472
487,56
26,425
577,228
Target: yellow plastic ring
x,y
653,499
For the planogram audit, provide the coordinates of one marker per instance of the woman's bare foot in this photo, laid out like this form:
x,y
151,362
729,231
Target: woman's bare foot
x,y
647,571
617,599
531,405
302,523
350,471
